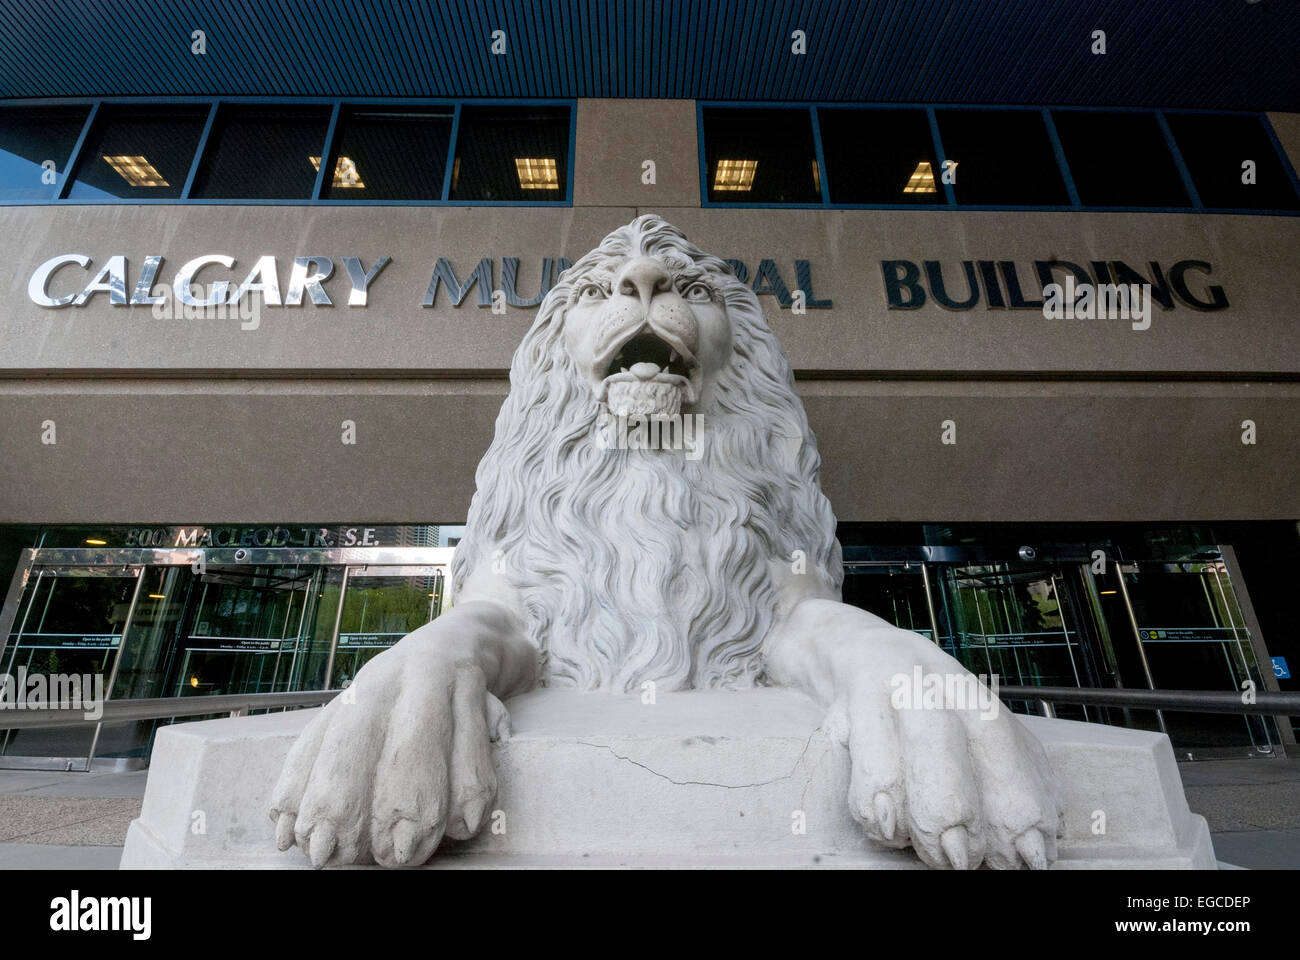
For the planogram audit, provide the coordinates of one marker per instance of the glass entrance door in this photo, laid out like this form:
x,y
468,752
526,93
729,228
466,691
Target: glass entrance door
x,y
162,622
380,606
1021,623
897,592
70,622
243,629
1188,633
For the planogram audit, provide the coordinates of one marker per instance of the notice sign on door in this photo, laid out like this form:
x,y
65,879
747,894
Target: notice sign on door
x,y
369,641
244,644
1189,634
75,641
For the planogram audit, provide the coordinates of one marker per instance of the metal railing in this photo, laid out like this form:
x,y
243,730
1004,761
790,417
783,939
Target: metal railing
x,y
161,708
1190,701
237,705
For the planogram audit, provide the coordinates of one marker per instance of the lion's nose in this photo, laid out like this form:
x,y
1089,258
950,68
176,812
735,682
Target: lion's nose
x,y
642,278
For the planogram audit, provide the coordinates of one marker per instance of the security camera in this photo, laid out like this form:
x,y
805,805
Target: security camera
x,y
1028,553
241,555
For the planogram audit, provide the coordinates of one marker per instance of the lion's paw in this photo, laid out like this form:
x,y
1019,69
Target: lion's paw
x,y
387,770
962,783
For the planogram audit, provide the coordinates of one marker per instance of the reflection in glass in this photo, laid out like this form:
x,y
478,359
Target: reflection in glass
x,y
31,137
140,153
390,154
490,142
761,156
878,156
263,152
378,610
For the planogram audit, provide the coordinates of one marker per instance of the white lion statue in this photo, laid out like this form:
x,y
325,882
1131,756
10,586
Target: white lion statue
x,y
599,556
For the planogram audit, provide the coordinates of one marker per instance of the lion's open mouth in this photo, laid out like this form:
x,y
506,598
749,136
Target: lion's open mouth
x,y
649,375
648,348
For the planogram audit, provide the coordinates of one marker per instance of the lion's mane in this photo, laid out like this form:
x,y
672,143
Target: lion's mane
x,y
638,565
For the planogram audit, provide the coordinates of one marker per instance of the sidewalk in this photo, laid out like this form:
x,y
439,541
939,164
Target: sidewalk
x,y
52,820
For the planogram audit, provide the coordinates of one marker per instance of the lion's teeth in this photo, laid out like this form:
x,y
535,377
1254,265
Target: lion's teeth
x,y
623,370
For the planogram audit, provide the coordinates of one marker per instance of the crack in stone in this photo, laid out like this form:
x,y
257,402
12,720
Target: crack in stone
x,y
708,783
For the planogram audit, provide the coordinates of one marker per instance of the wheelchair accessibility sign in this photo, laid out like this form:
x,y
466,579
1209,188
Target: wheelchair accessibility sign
x,y
1280,669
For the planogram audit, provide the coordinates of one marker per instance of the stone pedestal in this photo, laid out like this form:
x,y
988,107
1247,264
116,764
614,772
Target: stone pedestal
x,y
707,779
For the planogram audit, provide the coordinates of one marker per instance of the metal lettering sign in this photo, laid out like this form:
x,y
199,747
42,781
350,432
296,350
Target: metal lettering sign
x,y
202,536
1000,284
212,280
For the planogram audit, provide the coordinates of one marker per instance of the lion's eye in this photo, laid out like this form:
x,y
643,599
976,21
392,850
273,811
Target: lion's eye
x,y
699,292
591,291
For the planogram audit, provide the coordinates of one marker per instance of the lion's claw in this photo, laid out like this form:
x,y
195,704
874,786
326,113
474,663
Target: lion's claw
x,y
956,847
1031,849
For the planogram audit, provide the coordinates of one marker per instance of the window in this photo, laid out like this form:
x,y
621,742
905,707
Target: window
x,y
30,137
390,154
138,153
1215,147
879,156
263,152
760,156
511,154
1003,157
1119,159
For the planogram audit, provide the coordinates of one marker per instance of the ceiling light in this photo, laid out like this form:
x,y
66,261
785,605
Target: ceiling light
x,y
1107,593
537,173
922,179
136,171
345,172
817,177
97,543
734,174
157,596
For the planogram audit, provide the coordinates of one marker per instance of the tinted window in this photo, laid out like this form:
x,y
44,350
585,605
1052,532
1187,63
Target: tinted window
x,y
29,136
139,152
879,156
1003,157
393,154
760,156
1214,148
263,153
511,154
1119,159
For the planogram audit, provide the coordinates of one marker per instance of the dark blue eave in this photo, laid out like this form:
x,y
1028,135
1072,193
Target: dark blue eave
x,y
1212,54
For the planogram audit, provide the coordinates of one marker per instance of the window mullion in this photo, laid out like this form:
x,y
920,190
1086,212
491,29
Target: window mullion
x,y
198,151
327,153
75,156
